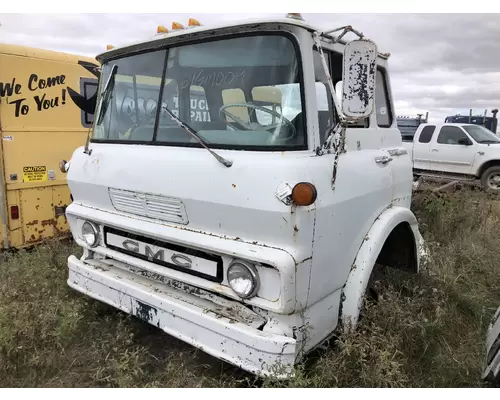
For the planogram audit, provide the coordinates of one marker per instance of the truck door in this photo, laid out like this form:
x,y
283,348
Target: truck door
x,y
422,148
452,151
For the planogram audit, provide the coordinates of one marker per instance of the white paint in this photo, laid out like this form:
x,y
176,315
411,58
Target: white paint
x,y
451,158
305,254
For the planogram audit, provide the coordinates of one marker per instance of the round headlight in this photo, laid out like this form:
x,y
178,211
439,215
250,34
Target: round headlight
x,y
243,279
90,233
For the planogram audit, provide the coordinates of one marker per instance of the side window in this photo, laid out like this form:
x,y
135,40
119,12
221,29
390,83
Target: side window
x,y
88,88
451,135
426,135
326,118
198,105
382,104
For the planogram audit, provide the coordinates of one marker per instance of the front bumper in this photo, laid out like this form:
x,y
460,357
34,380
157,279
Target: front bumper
x,y
219,327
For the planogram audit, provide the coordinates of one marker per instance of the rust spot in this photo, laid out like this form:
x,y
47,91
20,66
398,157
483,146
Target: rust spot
x,y
234,185
35,222
48,222
37,207
295,229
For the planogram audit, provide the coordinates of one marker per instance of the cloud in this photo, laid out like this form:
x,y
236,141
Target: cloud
x,y
439,63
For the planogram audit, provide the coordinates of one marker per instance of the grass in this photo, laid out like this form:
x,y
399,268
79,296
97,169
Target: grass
x,y
426,331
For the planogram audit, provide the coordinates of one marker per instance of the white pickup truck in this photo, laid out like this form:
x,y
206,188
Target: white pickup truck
x,y
454,151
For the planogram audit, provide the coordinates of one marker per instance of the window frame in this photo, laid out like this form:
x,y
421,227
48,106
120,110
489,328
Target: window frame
x,y
388,98
301,81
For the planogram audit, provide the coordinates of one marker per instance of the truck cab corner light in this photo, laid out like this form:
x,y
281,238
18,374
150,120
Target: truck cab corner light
x,y
109,47
63,166
193,22
304,194
177,25
296,16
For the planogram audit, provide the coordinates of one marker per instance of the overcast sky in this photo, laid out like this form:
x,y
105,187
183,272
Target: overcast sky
x,y
440,63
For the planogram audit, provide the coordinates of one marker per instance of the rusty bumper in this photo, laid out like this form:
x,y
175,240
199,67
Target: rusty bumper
x,y
203,324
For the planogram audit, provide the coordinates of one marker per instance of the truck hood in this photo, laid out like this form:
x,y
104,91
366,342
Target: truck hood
x,y
188,188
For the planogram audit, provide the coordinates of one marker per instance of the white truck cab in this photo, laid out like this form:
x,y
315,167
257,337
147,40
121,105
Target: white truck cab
x,y
455,151
251,231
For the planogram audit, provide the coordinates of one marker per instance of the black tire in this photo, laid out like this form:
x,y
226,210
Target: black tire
x,y
487,177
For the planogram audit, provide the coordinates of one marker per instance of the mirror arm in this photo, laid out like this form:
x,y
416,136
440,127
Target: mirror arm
x,y
346,29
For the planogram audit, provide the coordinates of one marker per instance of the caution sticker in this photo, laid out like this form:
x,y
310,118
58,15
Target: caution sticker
x,y
35,174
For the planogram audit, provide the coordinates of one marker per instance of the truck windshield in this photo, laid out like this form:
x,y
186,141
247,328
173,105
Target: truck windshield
x,y
481,134
240,93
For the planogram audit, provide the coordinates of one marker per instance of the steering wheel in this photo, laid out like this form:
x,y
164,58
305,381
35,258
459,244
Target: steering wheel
x,y
250,126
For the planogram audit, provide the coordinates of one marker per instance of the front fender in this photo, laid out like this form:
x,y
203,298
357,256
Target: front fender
x,y
357,281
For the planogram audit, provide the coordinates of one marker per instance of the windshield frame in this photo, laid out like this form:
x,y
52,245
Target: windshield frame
x,y
465,126
168,47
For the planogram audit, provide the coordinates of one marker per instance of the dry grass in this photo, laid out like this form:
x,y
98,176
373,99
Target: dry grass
x,y
426,330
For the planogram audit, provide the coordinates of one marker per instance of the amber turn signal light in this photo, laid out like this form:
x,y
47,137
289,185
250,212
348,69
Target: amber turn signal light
x,y
304,194
193,22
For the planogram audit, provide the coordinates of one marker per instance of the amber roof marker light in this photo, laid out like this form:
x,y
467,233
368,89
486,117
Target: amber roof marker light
x,y
193,22
161,29
177,26
296,16
304,194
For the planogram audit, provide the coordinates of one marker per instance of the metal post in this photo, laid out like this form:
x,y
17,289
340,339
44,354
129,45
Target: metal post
x,y
3,201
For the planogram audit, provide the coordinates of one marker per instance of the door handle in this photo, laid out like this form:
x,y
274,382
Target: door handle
x,y
435,150
383,159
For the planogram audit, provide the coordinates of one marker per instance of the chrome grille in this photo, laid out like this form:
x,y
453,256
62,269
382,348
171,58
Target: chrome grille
x,y
149,205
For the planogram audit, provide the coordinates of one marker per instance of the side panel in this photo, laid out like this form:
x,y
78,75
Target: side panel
x,y
42,123
446,155
421,152
343,216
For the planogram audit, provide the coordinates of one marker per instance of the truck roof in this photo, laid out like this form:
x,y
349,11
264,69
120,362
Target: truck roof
x,y
202,29
33,52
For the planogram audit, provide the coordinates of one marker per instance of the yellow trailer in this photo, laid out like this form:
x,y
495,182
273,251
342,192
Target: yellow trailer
x,y
47,101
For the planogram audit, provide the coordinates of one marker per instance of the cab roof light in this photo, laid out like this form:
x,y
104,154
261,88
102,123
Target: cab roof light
x,y
161,29
193,22
177,25
109,47
296,16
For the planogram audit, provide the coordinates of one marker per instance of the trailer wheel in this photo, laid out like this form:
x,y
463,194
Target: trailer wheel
x,y
490,180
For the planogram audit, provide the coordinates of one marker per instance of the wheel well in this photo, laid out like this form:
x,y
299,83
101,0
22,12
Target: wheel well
x,y
400,250
486,165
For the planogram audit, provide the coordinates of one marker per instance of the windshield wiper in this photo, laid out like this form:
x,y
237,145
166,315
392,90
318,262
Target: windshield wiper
x,y
105,96
193,133
489,141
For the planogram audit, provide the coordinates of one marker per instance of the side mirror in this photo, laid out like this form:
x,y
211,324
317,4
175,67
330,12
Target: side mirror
x,y
465,142
358,80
